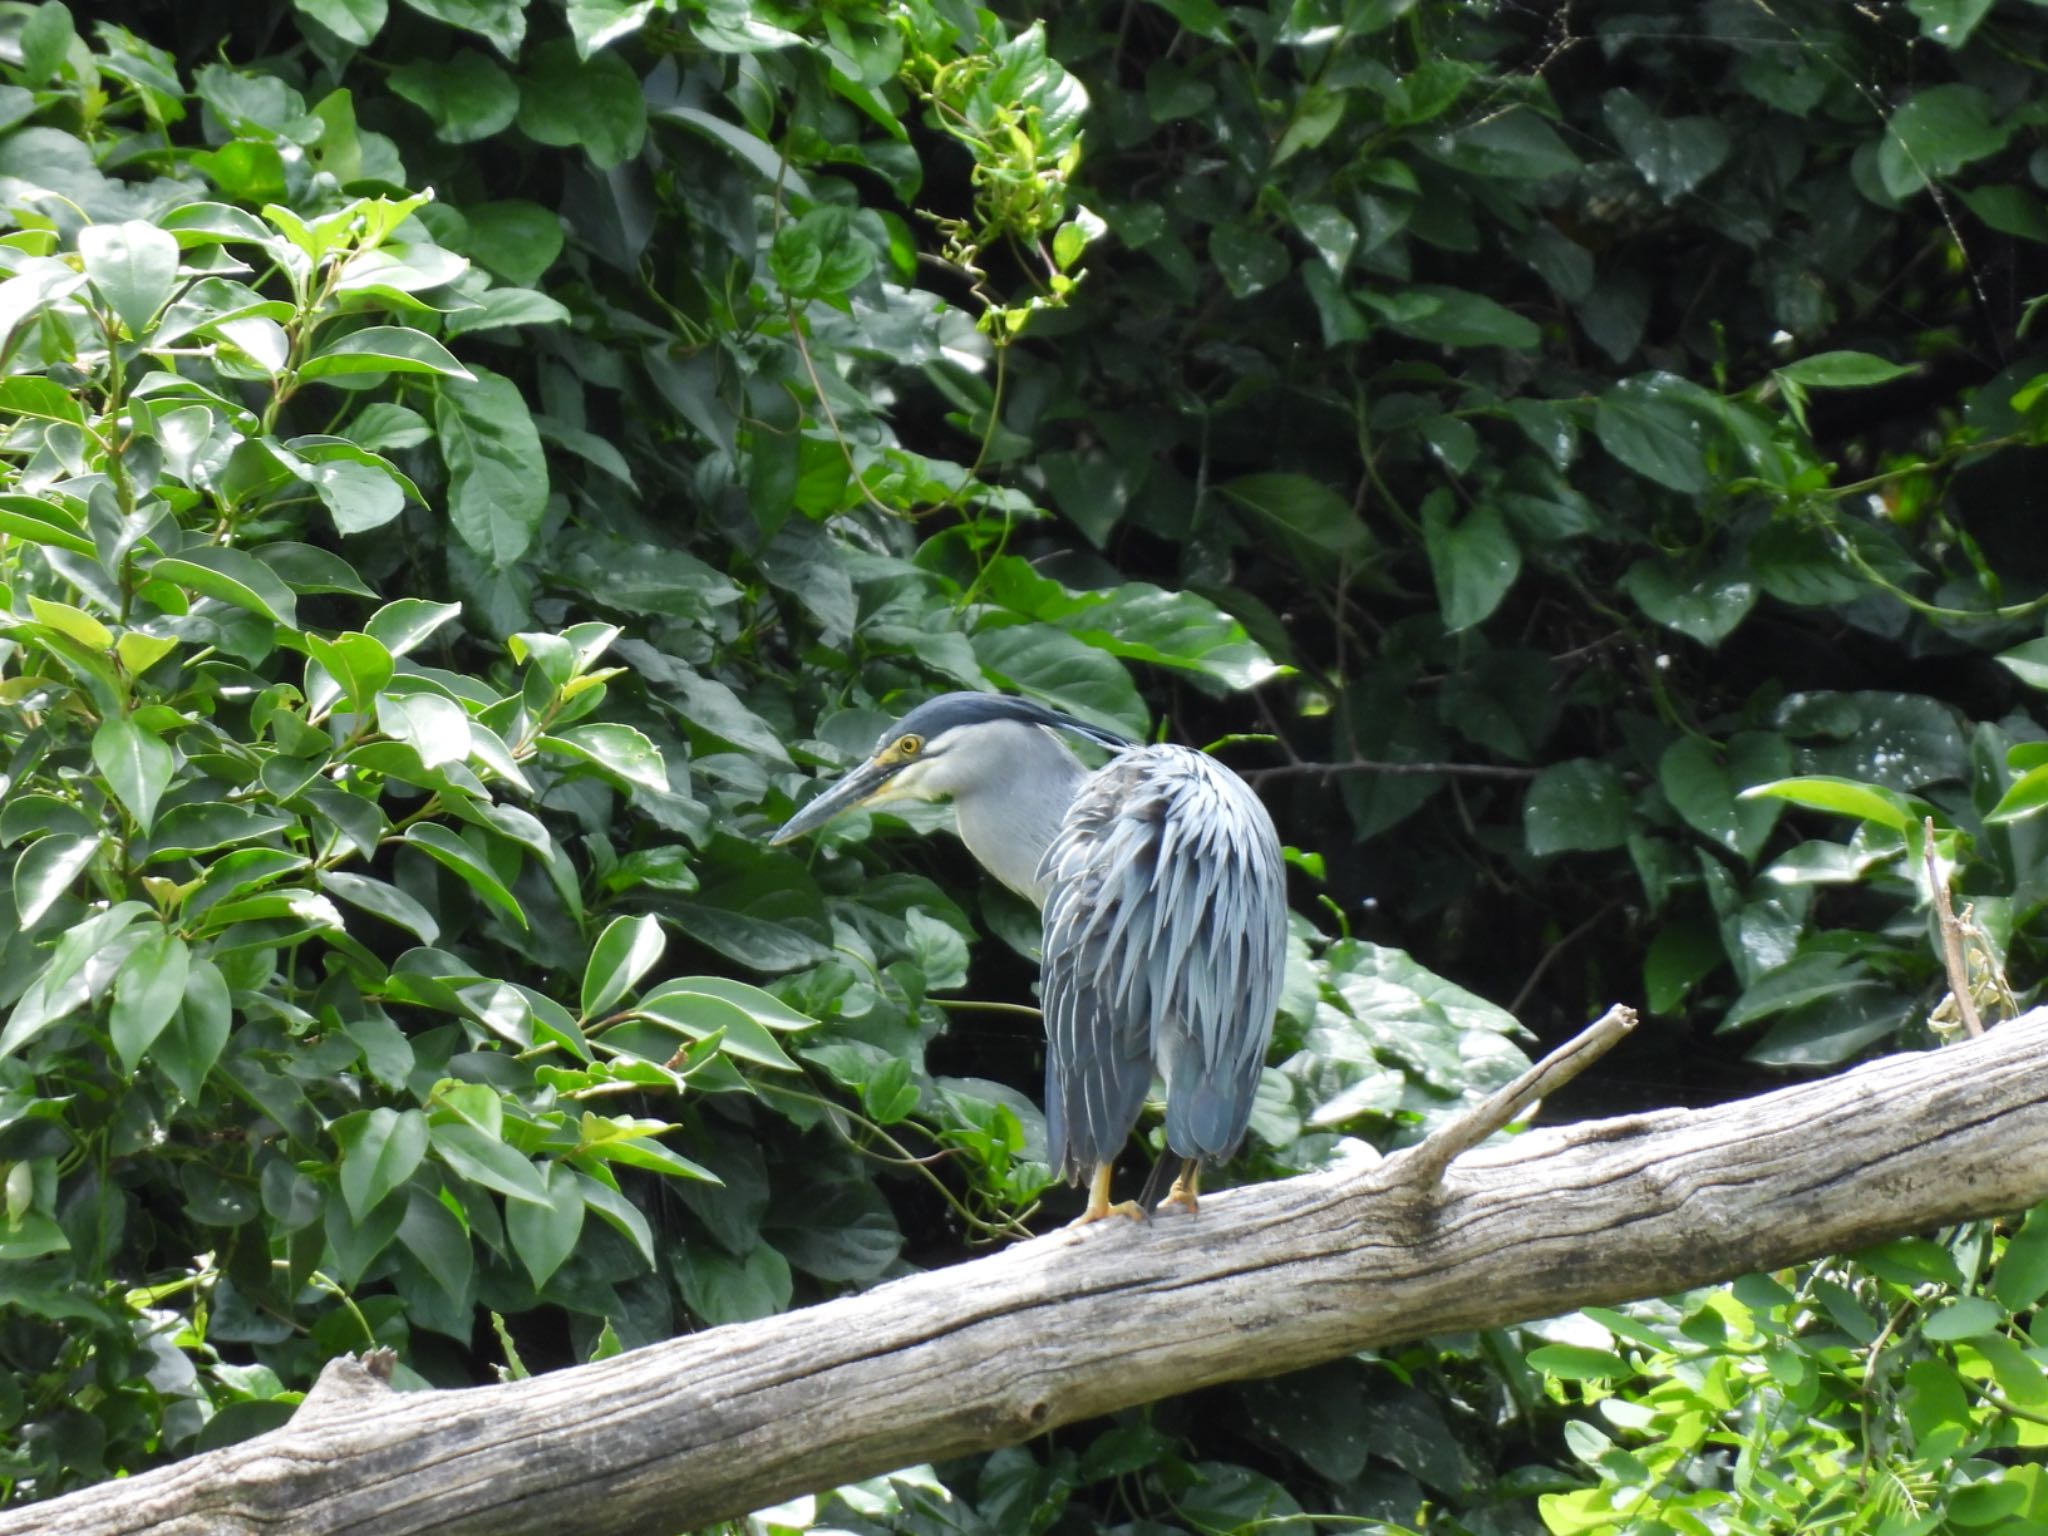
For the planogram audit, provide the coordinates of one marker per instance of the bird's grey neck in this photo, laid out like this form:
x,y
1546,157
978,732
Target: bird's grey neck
x,y
1010,816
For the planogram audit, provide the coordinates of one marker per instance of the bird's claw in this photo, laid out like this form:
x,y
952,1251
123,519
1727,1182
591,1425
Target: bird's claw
x,y
1097,1211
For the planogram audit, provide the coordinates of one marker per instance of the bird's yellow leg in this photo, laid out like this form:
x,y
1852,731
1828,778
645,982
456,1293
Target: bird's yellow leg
x,y
1098,1201
1184,1188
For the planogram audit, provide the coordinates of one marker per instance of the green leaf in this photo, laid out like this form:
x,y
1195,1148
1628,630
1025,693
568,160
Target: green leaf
x,y
1911,1261
134,266
1579,805
2028,662
1705,606
623,953
382,900
355,22
1577,1362
595,105
140,652
1647,423
1834,1028
2026,796
847,1236
1301,507
499,308
187,1049
2010,210
1135,620
1248,259
380,1148
467,95
619,1213
1949,22
40,399
234,577
1052,666
502,23
432,1234
59,988
619,750
1939,131
1454,317
1474,558
765,1008
434,727
454,854
820,256
359,666
1966,1317
1702,787
1842,370
750,149
137,766
484,1160
1799,981
702,1014
40,522
45,871
545,1234
1674,155
383,349
30,1236
1512,145
892,1094
47,37
1681,956
516,239
2021,1279
404,625
206,825
1846,797
73,621
308,568
353,1244
360,490
498,474
721,1289
147,993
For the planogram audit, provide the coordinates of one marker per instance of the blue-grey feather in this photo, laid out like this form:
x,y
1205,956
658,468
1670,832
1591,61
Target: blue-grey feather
x,y
1165,937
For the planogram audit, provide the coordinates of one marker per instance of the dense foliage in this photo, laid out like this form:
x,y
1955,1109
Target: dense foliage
x,y
467,464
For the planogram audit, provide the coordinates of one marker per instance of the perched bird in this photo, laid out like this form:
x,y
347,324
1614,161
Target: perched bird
x,y
1165,904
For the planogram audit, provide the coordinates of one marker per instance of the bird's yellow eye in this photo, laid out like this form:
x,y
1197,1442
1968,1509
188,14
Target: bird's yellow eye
x,y
909,746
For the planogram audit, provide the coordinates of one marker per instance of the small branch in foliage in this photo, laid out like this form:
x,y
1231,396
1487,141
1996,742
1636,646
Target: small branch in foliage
x,y
1363,765
1951,937
1426,1163
1551,954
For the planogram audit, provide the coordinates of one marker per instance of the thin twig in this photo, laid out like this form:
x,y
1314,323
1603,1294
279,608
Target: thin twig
x,y
1425,1163
1553,952
1361,765
1951,937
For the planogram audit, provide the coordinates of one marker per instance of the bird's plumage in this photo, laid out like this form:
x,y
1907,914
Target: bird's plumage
x,y
1165,939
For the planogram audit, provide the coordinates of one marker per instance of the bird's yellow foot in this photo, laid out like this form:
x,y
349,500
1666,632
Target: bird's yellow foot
x,y
1098,1202
1096,1213
1183,1193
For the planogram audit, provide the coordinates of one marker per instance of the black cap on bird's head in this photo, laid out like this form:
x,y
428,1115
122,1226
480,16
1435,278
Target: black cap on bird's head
x,y
924,733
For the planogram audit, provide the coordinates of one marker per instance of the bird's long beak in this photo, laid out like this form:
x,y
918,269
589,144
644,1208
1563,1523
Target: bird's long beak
x,y
866,780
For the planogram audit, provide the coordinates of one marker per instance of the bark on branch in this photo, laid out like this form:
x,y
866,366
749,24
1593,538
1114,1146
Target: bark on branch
x,y
678,1435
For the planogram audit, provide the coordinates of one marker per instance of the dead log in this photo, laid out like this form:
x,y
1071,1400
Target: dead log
x,y
681,1434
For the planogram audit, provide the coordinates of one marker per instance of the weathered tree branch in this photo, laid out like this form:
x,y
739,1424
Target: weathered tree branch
x,y
1082,1322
